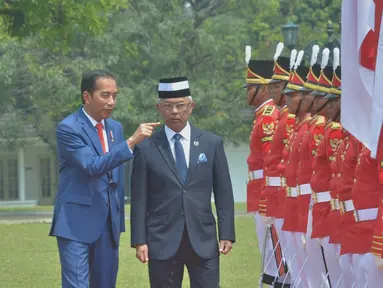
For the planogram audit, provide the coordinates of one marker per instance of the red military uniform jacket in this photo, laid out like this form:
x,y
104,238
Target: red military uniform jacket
x,y
366,194
334,218
260,140
282,193
307,152
273,178
320,179
349,149
291,205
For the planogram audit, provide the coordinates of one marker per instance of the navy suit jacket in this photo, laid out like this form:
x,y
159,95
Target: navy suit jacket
x,y
89,180
161,204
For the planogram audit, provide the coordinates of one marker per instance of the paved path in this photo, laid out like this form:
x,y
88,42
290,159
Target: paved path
x,y
21,217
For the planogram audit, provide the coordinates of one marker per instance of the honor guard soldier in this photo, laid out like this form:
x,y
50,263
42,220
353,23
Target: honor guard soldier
x,y
266,113
336,138
366,194
307,151
273,182
273,179
348,152
286,136
324,186
281,168
294,254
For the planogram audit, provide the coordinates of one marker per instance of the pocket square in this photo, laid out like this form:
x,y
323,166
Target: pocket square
x,y
202,158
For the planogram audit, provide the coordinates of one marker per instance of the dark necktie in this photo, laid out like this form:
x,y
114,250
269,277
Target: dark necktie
x,y
180,158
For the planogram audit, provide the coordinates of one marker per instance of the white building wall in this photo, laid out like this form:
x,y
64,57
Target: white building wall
x,y
237,157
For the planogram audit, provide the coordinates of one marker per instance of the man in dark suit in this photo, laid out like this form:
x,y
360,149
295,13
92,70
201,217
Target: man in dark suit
x,y
89,206
174,174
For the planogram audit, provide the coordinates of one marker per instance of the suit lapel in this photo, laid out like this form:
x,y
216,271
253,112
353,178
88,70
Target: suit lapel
x,y
196,147
108,129
90,130
163,146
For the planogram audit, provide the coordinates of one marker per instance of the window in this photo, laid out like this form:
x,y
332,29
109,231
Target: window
x,y
2,181
9,179
45,176
13,181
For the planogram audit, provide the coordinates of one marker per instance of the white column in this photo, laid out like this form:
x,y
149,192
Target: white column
x,y
21,173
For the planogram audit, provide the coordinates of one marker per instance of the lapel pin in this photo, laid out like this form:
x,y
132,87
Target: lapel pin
x,y
196,143
111,135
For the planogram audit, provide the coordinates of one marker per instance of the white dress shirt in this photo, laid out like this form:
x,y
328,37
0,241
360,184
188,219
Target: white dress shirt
x,y
94,123
185,140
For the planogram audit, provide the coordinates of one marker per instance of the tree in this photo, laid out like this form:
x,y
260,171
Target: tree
x,y
142,41
56,22
164,40
312,17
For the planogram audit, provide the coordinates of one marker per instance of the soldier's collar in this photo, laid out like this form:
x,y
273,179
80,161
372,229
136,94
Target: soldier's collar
x,y
284,109
263,105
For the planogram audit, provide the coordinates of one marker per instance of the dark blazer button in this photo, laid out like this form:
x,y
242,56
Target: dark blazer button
x,y
182,213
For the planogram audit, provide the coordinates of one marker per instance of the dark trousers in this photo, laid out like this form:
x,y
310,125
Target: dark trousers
x,y
203,273
89,265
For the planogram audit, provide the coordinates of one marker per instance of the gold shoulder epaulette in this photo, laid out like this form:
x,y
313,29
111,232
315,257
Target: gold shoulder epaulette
x,y
336,125
291,116
268,110
321,120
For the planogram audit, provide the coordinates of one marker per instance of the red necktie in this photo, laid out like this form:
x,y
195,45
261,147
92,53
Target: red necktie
x,y
100,133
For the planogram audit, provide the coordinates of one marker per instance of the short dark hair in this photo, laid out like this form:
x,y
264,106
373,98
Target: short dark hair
x,y
88,82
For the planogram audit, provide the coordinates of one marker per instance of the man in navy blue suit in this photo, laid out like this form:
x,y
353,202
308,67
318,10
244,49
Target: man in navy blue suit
x,y
174,174
89,206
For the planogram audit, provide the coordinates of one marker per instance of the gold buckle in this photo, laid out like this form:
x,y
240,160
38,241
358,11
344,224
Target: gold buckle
x,y
342,207
332,203
314,197
267,181
336,203
288,189
283,181
298,190
356,216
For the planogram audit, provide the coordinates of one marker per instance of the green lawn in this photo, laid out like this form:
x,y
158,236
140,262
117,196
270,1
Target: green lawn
x,y
239,207
29,258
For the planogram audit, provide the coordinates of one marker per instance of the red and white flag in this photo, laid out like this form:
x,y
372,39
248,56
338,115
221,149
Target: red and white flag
x,y
357,72
375,40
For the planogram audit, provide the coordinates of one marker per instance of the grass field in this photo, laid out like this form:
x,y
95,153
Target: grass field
x,y
29,258
239,207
